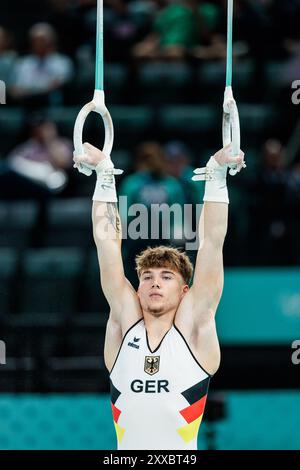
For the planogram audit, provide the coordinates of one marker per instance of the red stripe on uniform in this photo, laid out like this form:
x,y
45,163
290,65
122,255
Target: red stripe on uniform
x,y
116,412
195,410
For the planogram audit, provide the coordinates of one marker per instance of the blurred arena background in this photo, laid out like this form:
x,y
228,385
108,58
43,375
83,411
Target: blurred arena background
x,y
164,82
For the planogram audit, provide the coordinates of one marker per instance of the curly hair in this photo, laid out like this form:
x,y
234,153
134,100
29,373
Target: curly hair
x,y
165,256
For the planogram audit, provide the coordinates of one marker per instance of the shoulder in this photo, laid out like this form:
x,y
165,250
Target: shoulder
x,y
198,329
202,342
195,310
114,339
129,311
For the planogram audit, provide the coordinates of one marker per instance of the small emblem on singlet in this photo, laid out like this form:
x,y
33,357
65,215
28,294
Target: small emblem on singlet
x,y
133,344
151,364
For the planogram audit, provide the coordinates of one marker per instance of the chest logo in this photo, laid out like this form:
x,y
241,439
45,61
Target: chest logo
x,y
151,364
134,343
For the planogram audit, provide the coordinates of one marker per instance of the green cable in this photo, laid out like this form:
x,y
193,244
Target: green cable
x,y
229,44
99,48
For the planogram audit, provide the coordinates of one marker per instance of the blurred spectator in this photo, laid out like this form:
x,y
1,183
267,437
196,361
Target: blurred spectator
x,y
284,16
149,185
67,19
7,56
290,68
43,71
248,16
125,23
269,215
178,28
45,157
45,145
178,165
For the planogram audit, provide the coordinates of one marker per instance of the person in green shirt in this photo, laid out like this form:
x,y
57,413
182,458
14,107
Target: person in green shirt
x,y
151,187
177,29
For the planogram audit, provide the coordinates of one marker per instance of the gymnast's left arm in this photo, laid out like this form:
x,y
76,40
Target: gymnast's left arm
x,y
207,285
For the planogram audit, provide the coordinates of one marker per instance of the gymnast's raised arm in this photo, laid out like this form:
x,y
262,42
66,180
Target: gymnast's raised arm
x,y
107,233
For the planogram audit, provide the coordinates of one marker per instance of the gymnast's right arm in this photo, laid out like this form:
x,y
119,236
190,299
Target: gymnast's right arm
x,y
108,237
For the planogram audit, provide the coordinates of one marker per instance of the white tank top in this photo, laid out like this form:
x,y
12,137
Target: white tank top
x,y
157,397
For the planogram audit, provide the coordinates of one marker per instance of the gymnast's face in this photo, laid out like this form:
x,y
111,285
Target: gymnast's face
x,y
160,290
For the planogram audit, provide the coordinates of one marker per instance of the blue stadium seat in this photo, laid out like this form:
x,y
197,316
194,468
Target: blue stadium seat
x,y
212,76
8,267
62,374
50,280
115,78
196,125
64,118
92,298
159,83
17,220
132,124
69,223
278,78
274,74
12,121
258,122
86,335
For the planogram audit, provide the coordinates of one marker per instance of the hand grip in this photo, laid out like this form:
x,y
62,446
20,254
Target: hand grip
x,y
97,105
231,126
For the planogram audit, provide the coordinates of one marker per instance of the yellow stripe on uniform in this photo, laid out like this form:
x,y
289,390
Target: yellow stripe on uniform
x,y
120,432
189,432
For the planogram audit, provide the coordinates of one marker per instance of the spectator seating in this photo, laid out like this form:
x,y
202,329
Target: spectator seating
x,y
132,124
92,298
257,122
69,223
211,81
195,124
50,281
11,126
160,83
17,221
8,268
115,79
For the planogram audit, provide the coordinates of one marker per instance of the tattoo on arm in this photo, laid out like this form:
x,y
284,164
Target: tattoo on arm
x,y
112,216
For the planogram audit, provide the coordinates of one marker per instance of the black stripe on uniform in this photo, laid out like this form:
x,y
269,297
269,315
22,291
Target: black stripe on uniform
x,y
196,392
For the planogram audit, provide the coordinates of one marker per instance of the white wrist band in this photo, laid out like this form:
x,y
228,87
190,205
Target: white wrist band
x,y
214,176
105,189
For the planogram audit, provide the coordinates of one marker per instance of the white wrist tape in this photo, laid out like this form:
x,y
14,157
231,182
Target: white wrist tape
x,y
105,189
214,176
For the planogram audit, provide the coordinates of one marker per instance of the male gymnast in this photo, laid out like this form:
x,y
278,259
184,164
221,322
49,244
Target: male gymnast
x,y
161,345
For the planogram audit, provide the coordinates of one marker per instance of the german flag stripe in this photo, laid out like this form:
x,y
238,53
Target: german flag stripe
x,y
194,411
116,412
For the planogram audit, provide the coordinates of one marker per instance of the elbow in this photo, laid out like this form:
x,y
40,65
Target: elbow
x,y
214,242
217,237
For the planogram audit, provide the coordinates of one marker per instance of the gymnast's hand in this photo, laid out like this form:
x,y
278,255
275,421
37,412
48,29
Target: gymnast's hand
x,y
224,157
92,156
